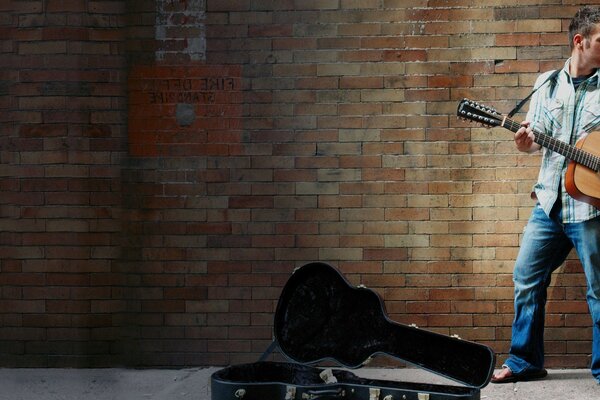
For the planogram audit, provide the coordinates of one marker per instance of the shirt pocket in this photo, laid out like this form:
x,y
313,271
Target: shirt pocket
x,y
590,118
552,115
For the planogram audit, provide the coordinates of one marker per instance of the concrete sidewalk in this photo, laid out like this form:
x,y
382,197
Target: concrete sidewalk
x,y
194,383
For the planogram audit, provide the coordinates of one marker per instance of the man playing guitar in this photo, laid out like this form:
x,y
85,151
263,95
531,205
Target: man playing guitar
x,y
567,108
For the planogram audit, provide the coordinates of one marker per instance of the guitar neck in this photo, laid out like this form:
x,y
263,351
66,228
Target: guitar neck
x,y
569,151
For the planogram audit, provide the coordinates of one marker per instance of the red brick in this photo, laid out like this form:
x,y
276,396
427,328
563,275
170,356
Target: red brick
x,y
227,5
404,55
450,81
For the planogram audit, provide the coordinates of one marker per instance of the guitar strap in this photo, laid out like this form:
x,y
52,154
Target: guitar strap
x,y
526,99
269,350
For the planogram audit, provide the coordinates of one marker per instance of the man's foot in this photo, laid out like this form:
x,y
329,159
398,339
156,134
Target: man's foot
x,y
502,376
505,375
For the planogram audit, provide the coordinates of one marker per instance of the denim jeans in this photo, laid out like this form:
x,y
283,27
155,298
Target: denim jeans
x,y
546,243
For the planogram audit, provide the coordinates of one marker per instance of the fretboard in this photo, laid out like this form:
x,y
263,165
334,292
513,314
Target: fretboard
x,y
569,151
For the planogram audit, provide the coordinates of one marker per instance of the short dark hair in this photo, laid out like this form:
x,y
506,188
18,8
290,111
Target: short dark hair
x,y
584,22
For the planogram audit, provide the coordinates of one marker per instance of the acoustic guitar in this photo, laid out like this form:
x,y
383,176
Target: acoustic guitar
x,y
582,179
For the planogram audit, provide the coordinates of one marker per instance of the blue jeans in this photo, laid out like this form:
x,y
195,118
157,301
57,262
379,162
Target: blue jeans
x,y
546,244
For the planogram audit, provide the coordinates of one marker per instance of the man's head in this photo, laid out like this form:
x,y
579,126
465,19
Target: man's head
x,y
584,23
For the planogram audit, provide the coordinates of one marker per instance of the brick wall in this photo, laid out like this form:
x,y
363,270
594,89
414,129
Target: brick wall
x,y
158,189
63,138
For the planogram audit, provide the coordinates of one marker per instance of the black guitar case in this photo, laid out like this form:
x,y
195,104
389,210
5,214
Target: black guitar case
x,y
321,317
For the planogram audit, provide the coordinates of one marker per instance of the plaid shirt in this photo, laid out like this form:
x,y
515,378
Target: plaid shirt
x,y
558,110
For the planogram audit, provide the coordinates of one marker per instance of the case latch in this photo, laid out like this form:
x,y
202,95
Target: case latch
x,y
374,393
290,393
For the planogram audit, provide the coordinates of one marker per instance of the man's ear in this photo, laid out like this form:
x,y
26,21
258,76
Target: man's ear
x,y
578,41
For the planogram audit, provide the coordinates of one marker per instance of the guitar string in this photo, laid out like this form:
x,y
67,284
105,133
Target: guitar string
x,y
573,153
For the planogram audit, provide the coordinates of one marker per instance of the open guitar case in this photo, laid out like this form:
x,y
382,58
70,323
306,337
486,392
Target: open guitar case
x,y
321,317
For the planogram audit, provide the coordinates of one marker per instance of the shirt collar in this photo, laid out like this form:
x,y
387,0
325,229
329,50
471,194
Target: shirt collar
x,y
595,76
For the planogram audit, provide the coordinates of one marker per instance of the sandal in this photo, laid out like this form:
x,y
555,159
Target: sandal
x,y
510,377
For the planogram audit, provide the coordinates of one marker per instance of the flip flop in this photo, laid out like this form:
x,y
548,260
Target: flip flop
x,y
522,377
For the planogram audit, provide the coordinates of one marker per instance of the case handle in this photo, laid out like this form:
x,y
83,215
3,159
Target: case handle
x,y
324,394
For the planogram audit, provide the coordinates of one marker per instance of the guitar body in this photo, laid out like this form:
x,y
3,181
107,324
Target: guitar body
x,y
581,182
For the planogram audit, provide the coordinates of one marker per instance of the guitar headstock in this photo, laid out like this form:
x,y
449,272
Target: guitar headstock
x,y
470,110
